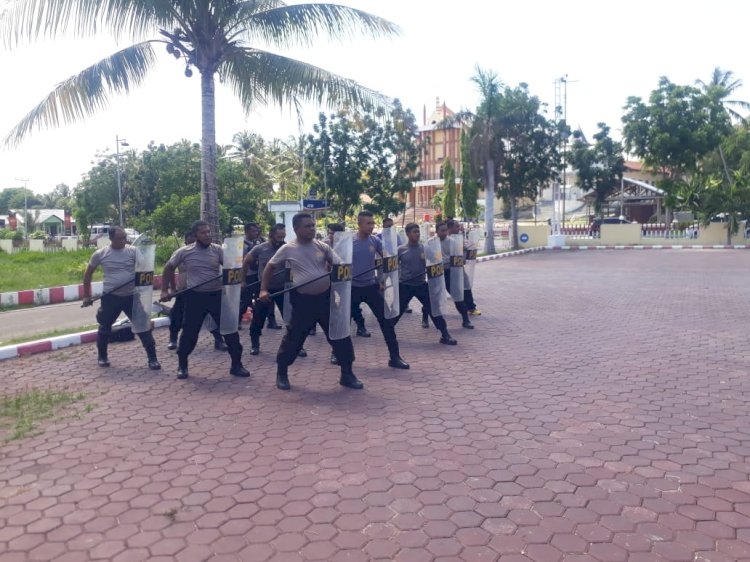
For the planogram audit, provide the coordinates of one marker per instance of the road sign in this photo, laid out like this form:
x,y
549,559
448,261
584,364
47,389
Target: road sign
x,y
524,237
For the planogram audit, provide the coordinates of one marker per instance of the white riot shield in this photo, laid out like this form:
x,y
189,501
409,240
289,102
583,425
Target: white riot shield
x,y
433,257
144,285
390,272
341,286
457,267
470,255
286,316
231,279
424,230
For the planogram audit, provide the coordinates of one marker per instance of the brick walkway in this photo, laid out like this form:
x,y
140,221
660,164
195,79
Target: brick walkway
x,y
599,412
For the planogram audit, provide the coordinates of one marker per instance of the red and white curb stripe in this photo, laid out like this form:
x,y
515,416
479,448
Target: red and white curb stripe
x,y
54,295
60,342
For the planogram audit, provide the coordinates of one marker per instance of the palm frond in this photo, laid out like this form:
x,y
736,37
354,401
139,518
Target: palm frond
x,y
285,26
88,91
267,78
24,20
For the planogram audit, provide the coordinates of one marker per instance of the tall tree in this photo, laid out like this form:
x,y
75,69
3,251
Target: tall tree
x,y
469,184
599,167
531,149
676,128
216,37
449,190
723,84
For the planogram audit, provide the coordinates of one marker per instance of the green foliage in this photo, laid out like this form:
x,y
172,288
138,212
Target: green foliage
x,y
165,247
600,167
449,190
38,235
469,183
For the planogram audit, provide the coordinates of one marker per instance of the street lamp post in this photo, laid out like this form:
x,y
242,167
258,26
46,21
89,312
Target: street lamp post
x,y
118,142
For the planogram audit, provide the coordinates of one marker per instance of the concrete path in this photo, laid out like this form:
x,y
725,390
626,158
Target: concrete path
x,y
43,319
598,412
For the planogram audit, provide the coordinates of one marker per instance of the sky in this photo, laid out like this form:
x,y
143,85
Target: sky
x,y
608,51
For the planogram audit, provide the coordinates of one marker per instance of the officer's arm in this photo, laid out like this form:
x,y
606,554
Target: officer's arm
x,y
167,281
266,281
88,274
246,263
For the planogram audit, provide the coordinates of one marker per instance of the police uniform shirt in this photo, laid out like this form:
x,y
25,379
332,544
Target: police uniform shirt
x,y
247,246
119,268
308,261
363,258
411,264
202,265
262,254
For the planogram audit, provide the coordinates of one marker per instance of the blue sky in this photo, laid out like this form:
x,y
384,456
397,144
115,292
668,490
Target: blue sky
x,y
609,50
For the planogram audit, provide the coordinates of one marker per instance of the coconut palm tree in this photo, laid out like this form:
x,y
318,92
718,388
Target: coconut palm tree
x,y
228,38
723,84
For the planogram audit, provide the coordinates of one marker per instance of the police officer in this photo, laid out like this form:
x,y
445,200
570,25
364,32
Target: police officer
x,y
310,261
251,286
412,282
365,286
454,227
442,232
118,262
177,313
201,261
258,258
357,316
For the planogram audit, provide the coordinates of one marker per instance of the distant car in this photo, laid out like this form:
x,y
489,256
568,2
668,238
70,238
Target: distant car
x,y
132,234
595,226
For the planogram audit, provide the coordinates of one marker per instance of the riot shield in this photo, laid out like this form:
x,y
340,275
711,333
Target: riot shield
x,y
470,255
341,286
433,257
231,280
457,267
286,316
145,254
390,272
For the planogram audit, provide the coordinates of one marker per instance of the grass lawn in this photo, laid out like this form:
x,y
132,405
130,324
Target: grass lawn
x,y
21,413
32,270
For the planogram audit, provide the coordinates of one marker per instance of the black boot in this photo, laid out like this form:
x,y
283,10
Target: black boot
x,y
101,347
271,323
398,363
282,378
219,344
349,379
425,321
254,344
446,339
153,362
361,330
238,370
182,371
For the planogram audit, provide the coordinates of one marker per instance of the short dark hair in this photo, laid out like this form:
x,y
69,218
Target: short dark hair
x,y
275,228
113,230
363,214
450,223
411,226
441,223
335,227
297,219
250,225
387,219
197,225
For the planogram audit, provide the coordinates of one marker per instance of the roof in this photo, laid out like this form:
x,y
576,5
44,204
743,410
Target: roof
x,y
43,215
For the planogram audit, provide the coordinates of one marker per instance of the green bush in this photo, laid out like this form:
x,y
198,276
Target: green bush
x,y
38,235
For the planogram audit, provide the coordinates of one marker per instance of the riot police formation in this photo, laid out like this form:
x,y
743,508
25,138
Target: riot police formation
x,y
207,295
415,261
310,261
251,286
127,287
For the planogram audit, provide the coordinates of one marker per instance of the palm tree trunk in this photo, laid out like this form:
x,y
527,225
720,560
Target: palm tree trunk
x,y
209,194
514,221
489,208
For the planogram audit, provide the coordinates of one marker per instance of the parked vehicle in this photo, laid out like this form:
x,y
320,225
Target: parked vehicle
x,y
132,234
595,226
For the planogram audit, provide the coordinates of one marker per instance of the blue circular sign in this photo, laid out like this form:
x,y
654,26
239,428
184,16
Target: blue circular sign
x,y
524,238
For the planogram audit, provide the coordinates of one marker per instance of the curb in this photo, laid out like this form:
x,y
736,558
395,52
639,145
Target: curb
x,y
55,295
60,342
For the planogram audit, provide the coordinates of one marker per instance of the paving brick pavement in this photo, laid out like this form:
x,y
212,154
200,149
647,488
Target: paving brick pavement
x,y
598,412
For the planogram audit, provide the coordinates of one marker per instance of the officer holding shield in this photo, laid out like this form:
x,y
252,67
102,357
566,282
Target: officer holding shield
x,y
412,270
310,261
454,229
202,262
451,279
119,294
367,289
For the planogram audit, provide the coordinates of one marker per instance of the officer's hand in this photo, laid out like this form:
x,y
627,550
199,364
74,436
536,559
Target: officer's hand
x,y
165,296
264,296
382,287
243,285
87,301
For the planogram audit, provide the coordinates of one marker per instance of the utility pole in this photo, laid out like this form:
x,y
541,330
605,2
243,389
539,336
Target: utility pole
x,y
561,109
118,142
25,207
